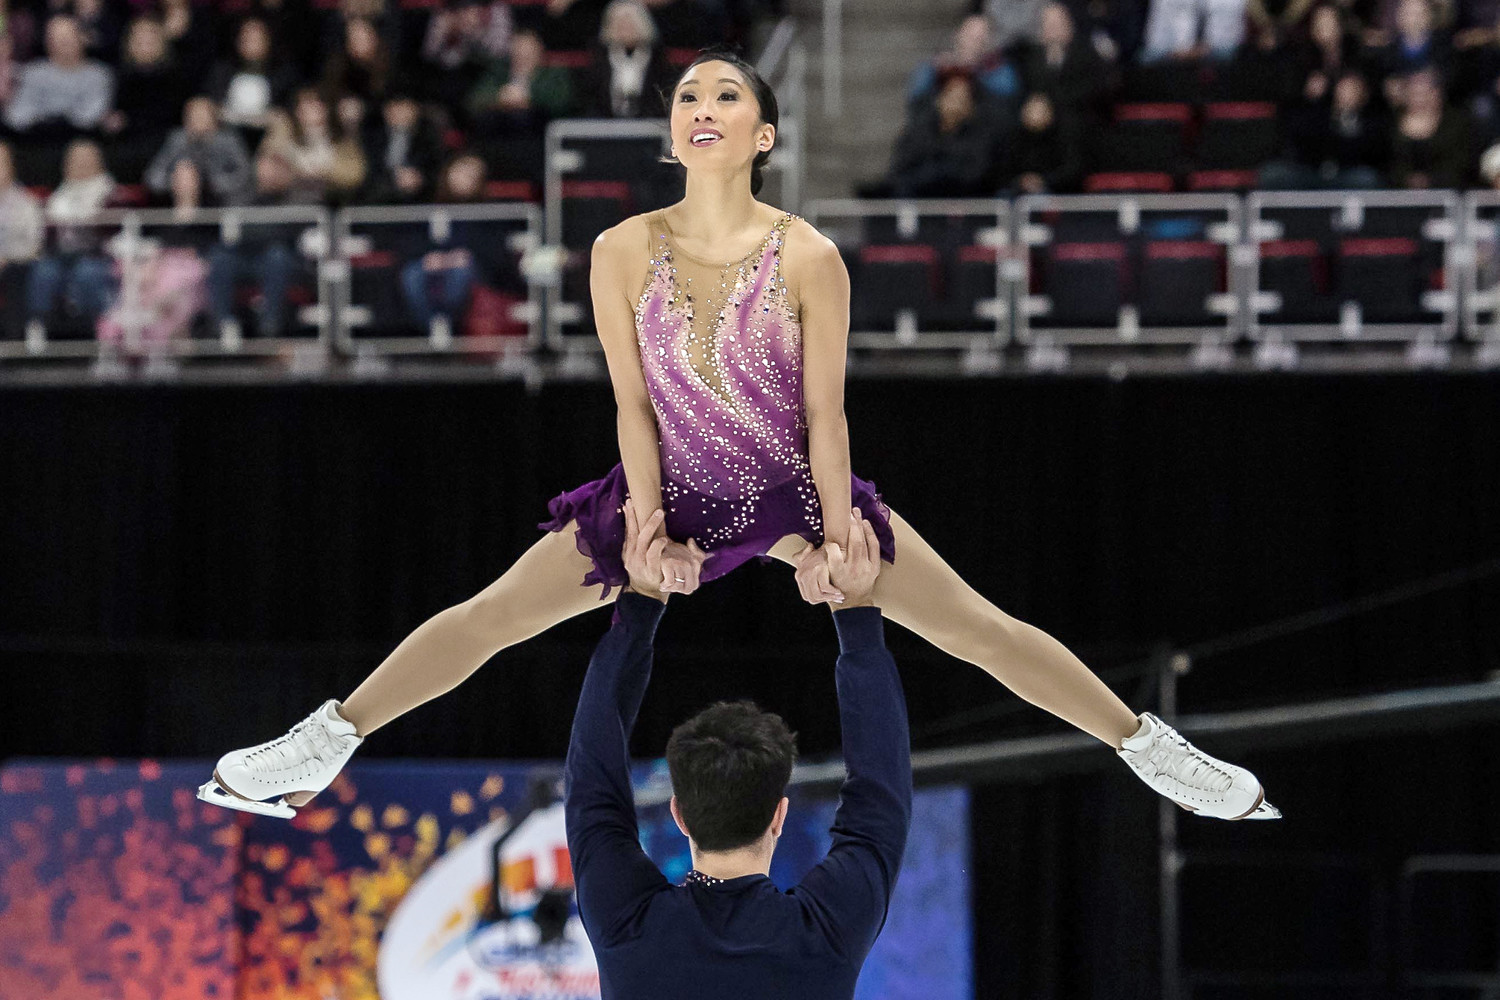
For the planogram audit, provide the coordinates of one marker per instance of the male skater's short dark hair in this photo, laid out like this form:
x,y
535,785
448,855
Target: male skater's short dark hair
x,y
730,765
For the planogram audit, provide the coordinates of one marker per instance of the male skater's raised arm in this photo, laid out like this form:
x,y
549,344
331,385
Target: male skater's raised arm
x,y
849,891
728,932
612,873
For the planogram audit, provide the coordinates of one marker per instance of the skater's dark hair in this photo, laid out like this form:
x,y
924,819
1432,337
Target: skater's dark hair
x,y
765,97
730,765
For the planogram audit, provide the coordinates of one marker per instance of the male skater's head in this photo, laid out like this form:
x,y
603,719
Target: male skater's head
x,y
730,765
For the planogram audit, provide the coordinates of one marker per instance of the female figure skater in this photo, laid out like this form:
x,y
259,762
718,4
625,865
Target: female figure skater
x,y
728,374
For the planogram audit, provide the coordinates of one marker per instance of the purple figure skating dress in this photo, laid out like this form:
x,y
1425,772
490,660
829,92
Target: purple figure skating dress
x,y
726,385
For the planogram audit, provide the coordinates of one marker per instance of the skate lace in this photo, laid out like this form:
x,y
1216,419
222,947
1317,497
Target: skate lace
x,y
1179,759
307,739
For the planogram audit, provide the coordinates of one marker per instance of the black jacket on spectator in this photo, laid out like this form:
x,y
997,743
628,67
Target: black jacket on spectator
x,y
594,81
687,24
151,98
572,29
1079,81
1056,153
1317,138
422,150
928,162
1444,158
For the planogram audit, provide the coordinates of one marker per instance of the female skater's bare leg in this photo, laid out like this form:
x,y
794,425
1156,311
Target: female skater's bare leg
x,y
923,593
539,590
542,588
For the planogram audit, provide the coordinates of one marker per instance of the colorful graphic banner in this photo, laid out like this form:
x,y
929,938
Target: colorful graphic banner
x,y
404,881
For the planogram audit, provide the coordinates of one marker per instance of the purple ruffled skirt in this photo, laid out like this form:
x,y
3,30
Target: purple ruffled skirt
x,y
599,509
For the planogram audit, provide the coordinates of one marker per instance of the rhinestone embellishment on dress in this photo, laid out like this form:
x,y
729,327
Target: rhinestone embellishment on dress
x,y
721,352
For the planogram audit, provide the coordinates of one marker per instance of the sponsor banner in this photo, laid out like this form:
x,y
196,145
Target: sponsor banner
x,y
402,881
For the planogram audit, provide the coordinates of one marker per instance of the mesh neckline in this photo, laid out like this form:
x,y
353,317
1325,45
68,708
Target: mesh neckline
x,y
759,247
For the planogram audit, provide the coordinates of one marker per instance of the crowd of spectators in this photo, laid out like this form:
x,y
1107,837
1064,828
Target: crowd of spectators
x,y
183,103
1400,94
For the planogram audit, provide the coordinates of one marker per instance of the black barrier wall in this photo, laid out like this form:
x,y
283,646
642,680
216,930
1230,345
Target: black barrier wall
x,y
191,568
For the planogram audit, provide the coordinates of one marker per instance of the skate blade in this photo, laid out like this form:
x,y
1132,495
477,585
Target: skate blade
x,y
214,794
1261,810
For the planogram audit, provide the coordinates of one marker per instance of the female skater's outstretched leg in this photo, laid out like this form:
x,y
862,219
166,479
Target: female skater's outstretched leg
x,y
542,588
923,593
539,590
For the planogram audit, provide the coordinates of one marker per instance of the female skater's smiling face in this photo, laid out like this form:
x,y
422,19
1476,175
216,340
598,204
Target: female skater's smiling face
x,y
714,102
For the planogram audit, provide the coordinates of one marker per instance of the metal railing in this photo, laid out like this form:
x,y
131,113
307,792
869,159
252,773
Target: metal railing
x,y
1204,272
383,251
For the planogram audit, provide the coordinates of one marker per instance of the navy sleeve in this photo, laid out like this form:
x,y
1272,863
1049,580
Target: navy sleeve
x,y
612,873
849,891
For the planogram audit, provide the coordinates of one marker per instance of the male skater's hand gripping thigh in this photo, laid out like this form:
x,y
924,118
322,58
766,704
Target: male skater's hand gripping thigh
x,y
854,572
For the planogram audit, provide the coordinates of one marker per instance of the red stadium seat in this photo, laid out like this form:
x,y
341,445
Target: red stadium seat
x,y
510,191
1297,271
590,207
892,277
1238,135
1133,182
1145,136
1385,276
1086,283
680,57
1222,180
1177,278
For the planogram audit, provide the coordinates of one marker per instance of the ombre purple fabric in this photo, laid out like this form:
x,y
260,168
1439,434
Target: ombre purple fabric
x,y
727,390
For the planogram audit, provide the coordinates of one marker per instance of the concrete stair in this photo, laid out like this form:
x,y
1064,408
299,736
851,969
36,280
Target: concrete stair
x,y
884,40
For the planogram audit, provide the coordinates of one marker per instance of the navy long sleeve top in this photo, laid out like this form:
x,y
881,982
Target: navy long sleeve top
x,y
742,938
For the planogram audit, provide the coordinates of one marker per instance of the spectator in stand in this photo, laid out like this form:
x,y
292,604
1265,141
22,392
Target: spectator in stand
x,y
975,50
218,153
363,68
1477,77
518,94
10,70
462,40
1489,173
1431,145
1282,16
64,93
1016,23
169,275
569,24
1113,27
1340,141
1173,29
437,285
1047,155
263,253
1324,54
947,148
328,164
148,102
192,38
294,31
247,86
1063,66
404,156
689,24
76,265
1416,44
99,28
21,232
628,72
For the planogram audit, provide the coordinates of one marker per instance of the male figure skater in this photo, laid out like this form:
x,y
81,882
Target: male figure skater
x,y
727,932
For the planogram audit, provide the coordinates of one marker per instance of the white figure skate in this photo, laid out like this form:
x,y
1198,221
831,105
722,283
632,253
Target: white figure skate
x,y
306,759
1191,778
